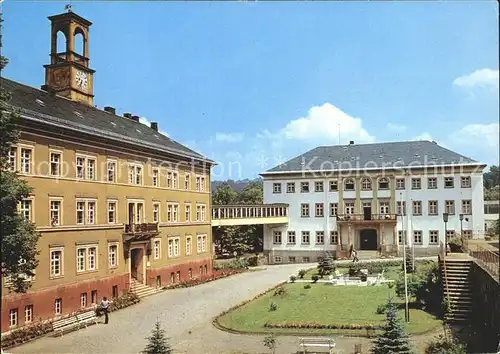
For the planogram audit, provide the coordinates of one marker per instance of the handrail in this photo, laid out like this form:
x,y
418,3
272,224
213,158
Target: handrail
x,y
442,257
488,260
363,217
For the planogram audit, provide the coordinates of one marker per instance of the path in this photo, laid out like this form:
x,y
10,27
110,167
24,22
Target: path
x,y
186,314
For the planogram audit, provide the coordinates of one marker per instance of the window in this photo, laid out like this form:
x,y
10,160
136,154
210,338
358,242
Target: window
x,y
200,183
111,212
187,209
306,259
277,237
417,237
401,208
416,183
177,247
173,212
86,167
58,306
450,233
334,209
55,163
156,212
467,234
449,207
277,259
400,183
155,177
433,237
178,275
190,273
290,187
111,171
334,186
319,210
202,243
188,245
83,300
465,182
349,184
80,259
320,237
291,259
26,208
433,207
26,160
80,167
174,247
114,289
449,182
169,179
113,255
13,159
318,186
384,207
291,237
304,187
187,178
402,233
276,187
135,174
304,210
334,237
349,207
175,180
28,313
55,212
86,212
86,258
156,249
93,296
417,207
56,262
383,183
467,207
200,213
432,183
90,169
90,213
305,237
13,317
366,184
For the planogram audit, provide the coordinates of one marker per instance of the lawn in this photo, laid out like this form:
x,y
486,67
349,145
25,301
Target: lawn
x,y
325,304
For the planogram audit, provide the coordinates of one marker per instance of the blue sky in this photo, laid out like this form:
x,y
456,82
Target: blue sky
x,y
250,84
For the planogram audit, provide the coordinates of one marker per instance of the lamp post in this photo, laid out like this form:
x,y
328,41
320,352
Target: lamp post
x,y
461,216
445,219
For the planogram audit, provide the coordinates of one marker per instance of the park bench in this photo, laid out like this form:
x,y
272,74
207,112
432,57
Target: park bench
x,y
318,344
65,324
87,317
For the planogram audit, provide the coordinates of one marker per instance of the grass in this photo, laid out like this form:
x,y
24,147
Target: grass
x,y
322,304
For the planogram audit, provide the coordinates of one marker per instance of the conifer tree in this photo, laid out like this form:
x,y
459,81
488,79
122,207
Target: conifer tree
x,y
158,342
394,339
326,264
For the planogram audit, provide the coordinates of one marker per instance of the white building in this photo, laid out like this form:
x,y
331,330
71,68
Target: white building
x,y
367,195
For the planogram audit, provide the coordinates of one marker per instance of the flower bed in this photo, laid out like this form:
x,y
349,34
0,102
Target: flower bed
x,y
313,325
217,274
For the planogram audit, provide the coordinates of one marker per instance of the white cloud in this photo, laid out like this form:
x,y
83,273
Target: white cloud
x,y
479,78
398,128
145,121
229,137
423,136
323,124
485,135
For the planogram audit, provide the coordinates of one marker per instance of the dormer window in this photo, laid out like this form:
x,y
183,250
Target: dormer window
x,y
366,184
383,183
349,184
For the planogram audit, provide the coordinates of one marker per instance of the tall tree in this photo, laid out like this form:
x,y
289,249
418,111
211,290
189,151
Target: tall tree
x,y
253,193
394,339
19,235
492,177
158,342
224,195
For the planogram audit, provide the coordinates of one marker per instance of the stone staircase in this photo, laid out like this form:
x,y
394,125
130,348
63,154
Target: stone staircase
x,y
365,255
141,290
459,288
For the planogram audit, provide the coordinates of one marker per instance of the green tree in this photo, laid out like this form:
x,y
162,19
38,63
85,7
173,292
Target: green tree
x,y
19,235
158,341
224,195
394,339
444,346
253,193
326,265
492,177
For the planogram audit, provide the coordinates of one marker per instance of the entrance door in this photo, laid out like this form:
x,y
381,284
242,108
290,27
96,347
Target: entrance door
x,y
368,239
367,211
136,266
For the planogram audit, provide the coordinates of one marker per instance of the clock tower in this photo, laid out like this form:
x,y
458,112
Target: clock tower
x,y
68,73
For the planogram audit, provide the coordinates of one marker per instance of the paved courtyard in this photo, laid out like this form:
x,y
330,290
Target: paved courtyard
x,y
186,314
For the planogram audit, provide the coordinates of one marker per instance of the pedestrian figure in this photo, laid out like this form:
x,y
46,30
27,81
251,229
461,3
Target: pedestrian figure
x,y
355,256
105,307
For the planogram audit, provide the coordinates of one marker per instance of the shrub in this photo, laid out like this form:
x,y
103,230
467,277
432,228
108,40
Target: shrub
x,y
381,309
270,342
315,278
443,346
307,286
273,306
280,291
158,342
363,277
326,264
302,272
293,278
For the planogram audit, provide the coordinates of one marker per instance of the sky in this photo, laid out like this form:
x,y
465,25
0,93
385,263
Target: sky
x,y
251,84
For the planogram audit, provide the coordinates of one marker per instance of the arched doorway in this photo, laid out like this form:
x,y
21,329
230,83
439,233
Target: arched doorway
x,y
368,239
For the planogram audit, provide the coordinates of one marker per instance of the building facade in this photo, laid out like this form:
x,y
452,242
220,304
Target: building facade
x,y
373,197
115,201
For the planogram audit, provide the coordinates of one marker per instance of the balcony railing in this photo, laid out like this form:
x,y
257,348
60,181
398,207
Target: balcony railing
x,y
145,228
249,211
367,218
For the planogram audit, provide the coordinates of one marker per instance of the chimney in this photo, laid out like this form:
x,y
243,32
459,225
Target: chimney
x,y
154,126
351,142
136,118
127,115
110,109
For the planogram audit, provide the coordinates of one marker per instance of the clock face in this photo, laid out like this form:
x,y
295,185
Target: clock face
x,y
81,80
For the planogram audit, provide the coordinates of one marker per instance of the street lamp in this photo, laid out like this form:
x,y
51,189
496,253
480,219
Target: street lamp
x,y
445,219
461,217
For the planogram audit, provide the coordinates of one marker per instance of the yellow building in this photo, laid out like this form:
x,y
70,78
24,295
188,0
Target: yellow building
x,y
117,203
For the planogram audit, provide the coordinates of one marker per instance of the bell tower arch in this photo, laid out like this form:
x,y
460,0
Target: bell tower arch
x,y
68,73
